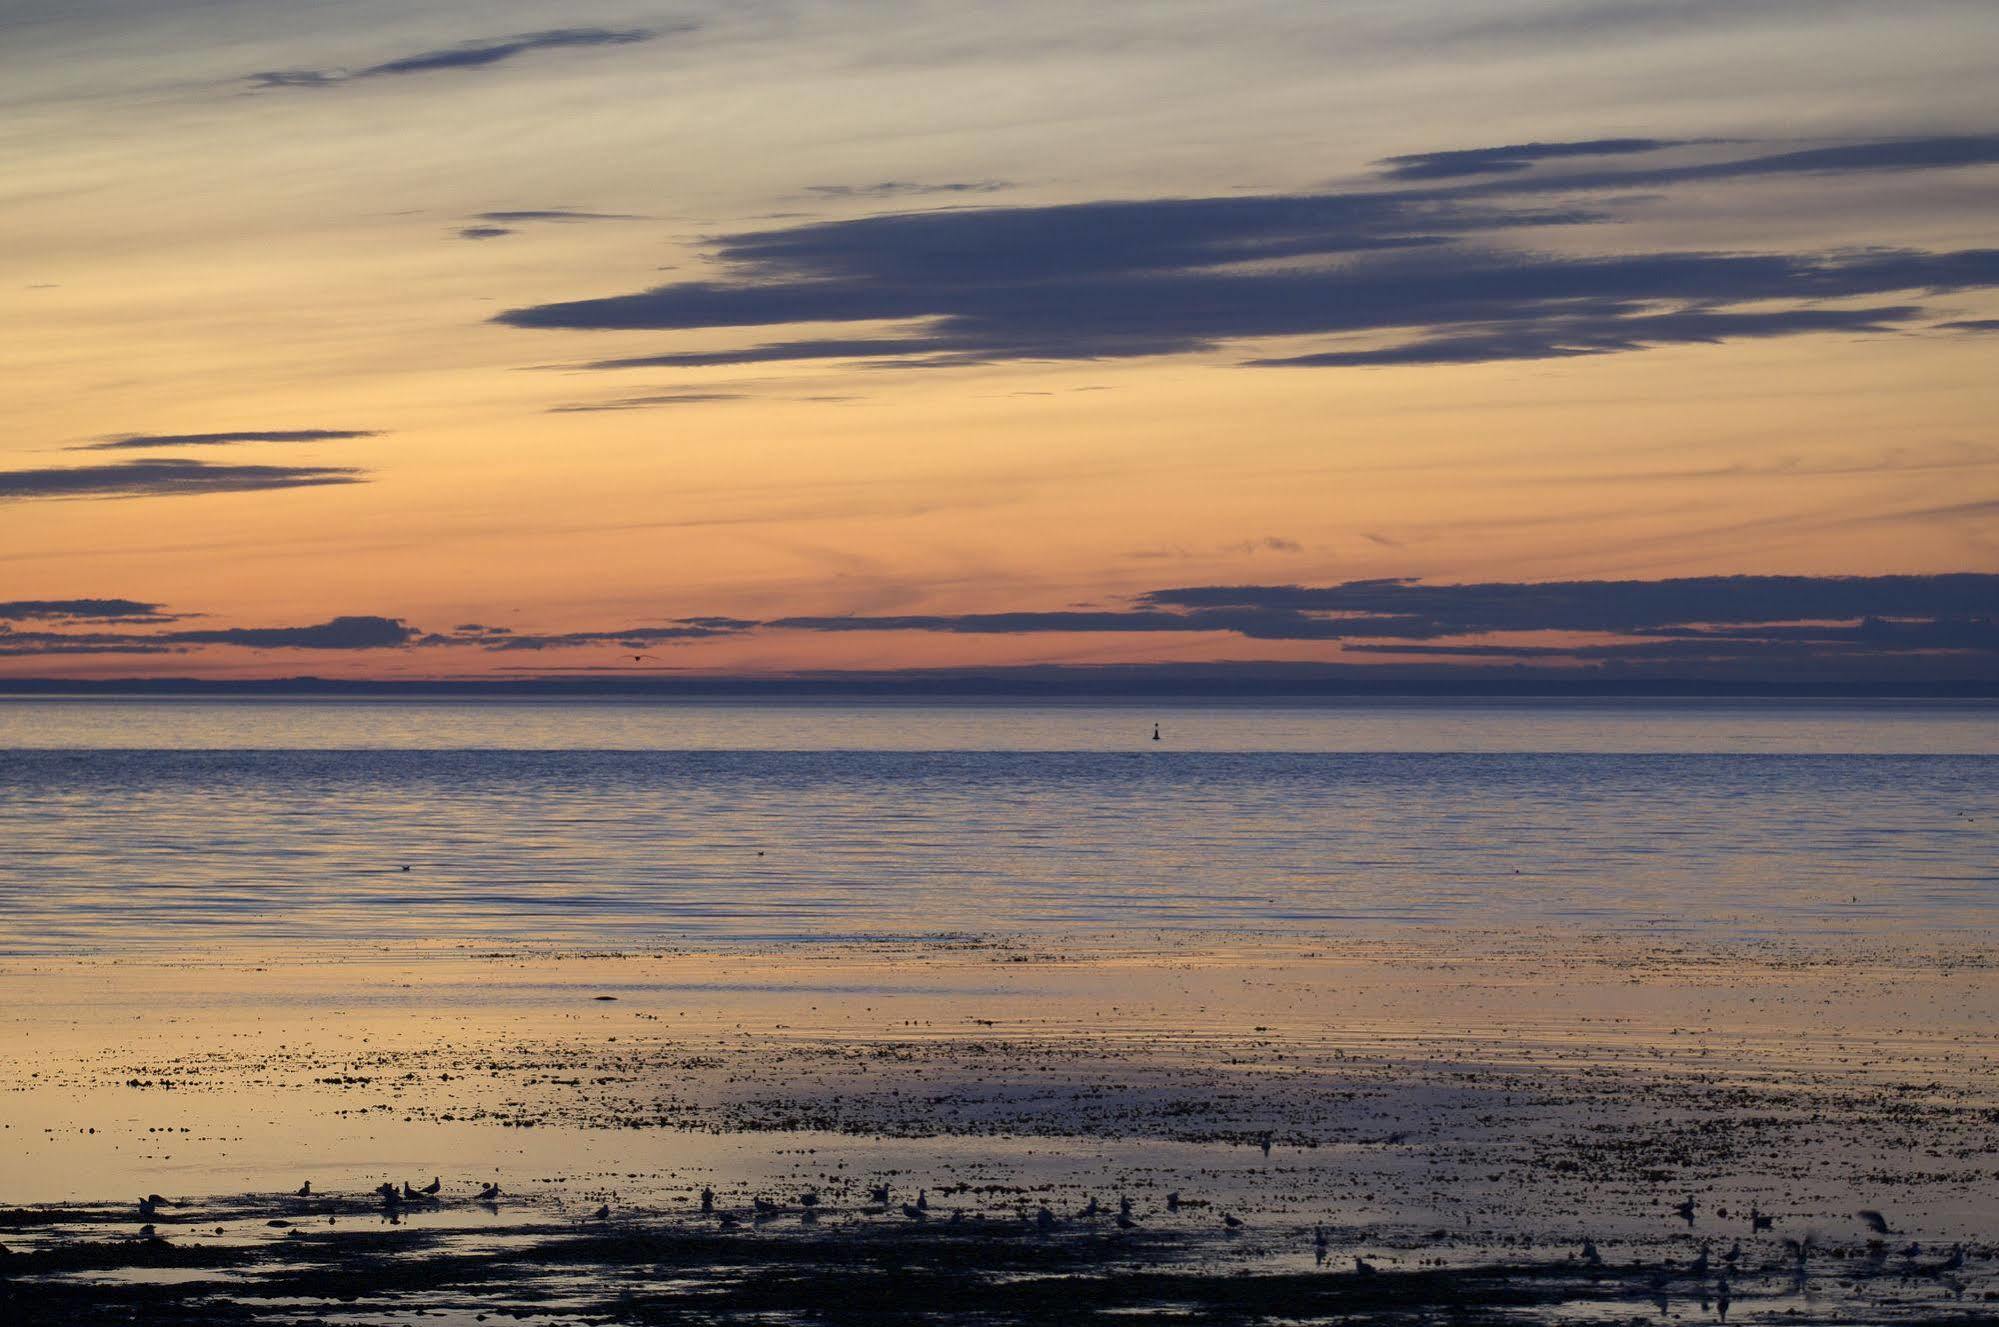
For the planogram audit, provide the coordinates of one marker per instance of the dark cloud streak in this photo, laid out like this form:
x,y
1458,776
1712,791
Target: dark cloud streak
x,y
164,477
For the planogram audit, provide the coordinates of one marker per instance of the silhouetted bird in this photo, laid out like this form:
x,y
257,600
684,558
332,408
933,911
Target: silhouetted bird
x,y
1090,1212
1875,1221
1362,1267
707,1201
1699,1266
1173,1201
603,1213
411,1194
1685,1211
1590,1255
305,1189
923,1200
1265,1140
1760,1221
1956,1260
808,1200
880,1194
1155,732
150,1205
914,1213
1044,1219
435,1186
764,1206
1734,1252
1123,1206
1125,1222
489,1193
728,1221
1231,1221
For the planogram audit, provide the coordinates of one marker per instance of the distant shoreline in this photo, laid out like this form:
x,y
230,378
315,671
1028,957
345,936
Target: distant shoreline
x,y
1107,685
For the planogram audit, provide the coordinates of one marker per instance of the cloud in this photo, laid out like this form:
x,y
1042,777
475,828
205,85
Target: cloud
x,y
138,441
1514,157
553,214
1422,276
1611,606
163,477
1566,338
465,55
646,402
82,610
340,633
493,225
907,188
1971,325
635,638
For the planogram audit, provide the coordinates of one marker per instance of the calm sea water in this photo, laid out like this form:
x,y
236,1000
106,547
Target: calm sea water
x,y
188,824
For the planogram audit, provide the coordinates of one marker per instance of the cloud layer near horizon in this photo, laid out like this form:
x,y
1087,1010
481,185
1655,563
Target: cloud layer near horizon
x,y
1731,619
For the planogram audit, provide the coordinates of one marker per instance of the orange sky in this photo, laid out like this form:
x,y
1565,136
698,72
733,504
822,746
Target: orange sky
x,y
190,249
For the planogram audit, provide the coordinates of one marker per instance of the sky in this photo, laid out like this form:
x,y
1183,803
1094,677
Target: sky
x,y
362,338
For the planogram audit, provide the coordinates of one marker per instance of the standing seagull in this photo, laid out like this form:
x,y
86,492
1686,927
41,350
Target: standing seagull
x,y
1876,1222
1685,1211
1155,732
305,1189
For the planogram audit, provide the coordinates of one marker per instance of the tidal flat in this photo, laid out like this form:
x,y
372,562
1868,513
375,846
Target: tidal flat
x,y
1474,1126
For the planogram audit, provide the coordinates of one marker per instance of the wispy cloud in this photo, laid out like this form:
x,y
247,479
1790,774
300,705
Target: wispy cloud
x,y
82,610
907,188
145,441
1513,157
162,477
479,54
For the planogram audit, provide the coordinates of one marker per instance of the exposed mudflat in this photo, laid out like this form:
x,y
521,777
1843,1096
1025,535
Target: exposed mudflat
x,y
1302,1132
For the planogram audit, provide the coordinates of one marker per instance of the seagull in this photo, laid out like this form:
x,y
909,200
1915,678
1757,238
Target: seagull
x,y
1155,732
436,1184
1173,1201
1044,1219
728,1221
1362,1267
764,1206
880,1194
1124,1221
1875,1221
1090,1212
1698,1267
1734,1252
603,1213
305,1189
1124,1206
707,1201
1686,1211
150,1204
390,1198
1760,1221
914,1213
1265,1141
1590,1255
808,1200
489,1193
1231,1221
1956,1260
923,1200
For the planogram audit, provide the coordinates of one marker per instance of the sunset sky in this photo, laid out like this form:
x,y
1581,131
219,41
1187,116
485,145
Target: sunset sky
x,y
375,339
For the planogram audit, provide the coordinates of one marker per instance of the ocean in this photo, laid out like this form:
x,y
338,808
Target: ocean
x,y
182,825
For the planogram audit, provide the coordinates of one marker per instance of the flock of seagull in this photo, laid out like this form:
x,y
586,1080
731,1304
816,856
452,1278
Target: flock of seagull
x,y
397,1199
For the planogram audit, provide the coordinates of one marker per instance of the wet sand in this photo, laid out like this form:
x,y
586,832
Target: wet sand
x,y
1457,1112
